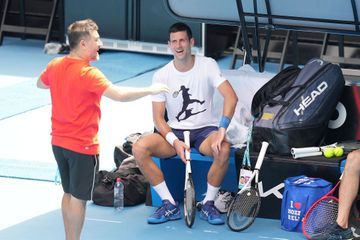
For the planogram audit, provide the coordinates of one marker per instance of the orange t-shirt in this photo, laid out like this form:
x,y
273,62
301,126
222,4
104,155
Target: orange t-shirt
x,y
76,89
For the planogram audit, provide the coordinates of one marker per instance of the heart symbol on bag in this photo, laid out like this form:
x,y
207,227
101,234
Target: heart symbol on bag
x,y
297,205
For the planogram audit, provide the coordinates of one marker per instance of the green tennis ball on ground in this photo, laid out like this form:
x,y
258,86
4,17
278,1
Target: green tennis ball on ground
x,y
338,151
328,152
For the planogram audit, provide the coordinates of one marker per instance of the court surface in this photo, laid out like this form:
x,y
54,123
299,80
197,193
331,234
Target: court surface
x,y
30,200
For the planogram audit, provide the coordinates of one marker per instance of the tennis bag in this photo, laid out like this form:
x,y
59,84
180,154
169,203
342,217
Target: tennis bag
x,y
135,187
300,193
135,183
293,109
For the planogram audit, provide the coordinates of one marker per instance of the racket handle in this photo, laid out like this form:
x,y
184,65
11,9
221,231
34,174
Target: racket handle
x,y
187,142
261,156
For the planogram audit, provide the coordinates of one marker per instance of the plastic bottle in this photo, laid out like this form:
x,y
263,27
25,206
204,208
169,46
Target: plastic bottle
x,y
119,195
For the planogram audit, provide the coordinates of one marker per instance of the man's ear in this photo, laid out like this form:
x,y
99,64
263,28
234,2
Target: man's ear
x,y
192,42
82,43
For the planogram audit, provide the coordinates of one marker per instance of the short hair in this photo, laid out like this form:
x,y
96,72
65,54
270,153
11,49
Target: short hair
x,y
180,27
80,30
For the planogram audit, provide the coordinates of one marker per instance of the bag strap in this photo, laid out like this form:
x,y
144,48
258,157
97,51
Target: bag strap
x,y
112,176
130,171
246,157
273,102
275,86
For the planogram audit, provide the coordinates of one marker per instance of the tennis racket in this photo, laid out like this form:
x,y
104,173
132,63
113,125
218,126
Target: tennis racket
x,y
349,146
246,204
321,214
189,190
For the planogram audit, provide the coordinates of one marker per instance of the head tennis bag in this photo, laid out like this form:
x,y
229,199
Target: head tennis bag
x,y
300,193
293,109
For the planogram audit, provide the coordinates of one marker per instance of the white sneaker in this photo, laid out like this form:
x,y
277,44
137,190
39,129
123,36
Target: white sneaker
x,y
223,200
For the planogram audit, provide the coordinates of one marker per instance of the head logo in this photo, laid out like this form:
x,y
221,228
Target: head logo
x,y
321,62
308,100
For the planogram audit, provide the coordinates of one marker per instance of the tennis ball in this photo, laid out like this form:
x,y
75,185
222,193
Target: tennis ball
x,y
328,152
338,151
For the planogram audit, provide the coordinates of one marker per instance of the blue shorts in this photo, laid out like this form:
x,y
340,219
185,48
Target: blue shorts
x,y
197,136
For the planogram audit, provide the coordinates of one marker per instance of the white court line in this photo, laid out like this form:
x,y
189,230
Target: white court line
x,y
274,238
8,80
211,231
103,220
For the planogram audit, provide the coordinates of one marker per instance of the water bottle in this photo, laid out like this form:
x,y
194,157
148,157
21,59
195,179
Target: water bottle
x,y
119,195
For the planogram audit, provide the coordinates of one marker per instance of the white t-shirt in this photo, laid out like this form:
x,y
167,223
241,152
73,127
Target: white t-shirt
x,y
189,103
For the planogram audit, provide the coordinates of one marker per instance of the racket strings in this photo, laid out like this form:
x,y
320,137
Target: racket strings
x,y
321,216
190,207
247,199
245,208
190,196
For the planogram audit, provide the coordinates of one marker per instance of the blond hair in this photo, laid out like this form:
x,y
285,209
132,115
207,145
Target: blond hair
x,y
79,30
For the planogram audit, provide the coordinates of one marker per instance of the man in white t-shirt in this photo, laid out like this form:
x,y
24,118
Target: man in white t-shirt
x,y
192,81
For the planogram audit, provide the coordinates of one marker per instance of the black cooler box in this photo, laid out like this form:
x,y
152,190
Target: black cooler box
x,y
276,169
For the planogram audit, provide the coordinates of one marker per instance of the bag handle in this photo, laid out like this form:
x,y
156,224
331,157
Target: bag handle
x,y
111,176
305,179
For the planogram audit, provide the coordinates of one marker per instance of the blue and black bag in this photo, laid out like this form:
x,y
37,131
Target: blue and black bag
x,y
293,109
299,194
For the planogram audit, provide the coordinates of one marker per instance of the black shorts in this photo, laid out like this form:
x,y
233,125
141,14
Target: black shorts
x,y
77,172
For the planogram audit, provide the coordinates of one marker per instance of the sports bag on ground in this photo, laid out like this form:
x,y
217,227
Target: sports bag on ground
x,y
122,152
293,109
299,195
135,185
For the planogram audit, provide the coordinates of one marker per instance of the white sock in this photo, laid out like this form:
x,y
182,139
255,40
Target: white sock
x,y
210,193
164,192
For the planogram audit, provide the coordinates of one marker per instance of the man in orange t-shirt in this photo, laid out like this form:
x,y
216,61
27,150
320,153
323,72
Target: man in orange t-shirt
x,y
76,89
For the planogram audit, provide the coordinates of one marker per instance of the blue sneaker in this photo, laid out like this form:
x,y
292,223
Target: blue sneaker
x,y
334,232
167,211
210,213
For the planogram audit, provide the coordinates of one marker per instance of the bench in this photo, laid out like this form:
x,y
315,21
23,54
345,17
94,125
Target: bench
x,y
174,173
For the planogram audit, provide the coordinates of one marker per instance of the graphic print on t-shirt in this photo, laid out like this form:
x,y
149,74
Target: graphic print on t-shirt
x,y
185,111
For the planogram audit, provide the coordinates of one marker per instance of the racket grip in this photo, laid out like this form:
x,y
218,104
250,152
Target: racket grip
x,y
187,142
259,161
295,151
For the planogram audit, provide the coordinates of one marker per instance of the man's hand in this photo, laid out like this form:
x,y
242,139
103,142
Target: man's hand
x,y
220,136
180,148
158,88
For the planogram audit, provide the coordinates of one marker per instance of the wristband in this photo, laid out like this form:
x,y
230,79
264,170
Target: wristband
x,y
171,137
224,122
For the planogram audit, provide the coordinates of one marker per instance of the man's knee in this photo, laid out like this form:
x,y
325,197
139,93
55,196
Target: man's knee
x,y
225,146
223,155
139,150
353,161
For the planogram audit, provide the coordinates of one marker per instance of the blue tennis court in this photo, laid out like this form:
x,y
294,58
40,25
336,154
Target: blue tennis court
x,y
30,200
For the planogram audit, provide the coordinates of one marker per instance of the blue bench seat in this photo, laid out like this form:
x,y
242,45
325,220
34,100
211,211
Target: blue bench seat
x,y
174,173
